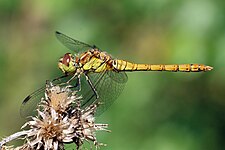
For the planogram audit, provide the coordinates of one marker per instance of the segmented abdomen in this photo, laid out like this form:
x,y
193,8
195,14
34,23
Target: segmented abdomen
x,y
123,65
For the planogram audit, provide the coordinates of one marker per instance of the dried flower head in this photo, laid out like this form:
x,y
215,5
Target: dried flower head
x,y
61,119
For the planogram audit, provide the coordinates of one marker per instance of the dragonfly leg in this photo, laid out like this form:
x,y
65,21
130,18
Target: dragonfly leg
x,y
58,79
92,86
75,75
79,83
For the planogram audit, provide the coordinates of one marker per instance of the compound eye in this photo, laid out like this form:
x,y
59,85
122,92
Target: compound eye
x,y
66,59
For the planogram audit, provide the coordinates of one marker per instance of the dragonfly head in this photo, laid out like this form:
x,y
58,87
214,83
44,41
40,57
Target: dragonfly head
x,y
67,64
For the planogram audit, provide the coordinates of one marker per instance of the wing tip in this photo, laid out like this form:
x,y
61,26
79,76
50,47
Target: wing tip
x,y
57,32
26,99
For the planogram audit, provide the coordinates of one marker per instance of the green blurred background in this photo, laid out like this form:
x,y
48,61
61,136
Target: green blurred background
x,y
157,110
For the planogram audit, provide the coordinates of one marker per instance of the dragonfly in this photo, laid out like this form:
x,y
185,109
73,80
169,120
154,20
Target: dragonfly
x,y
99,77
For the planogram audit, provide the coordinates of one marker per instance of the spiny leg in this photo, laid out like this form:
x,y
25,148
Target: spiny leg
x,y
78,82
58,79
92,86
75,75
95,79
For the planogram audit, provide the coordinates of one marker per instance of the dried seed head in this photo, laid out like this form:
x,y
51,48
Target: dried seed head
x,y
61,119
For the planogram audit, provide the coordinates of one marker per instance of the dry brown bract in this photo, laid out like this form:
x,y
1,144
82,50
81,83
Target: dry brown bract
x,y
61,120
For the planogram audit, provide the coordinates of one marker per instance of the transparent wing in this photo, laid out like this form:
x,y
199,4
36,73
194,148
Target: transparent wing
x,y
29,104
73,44
109,85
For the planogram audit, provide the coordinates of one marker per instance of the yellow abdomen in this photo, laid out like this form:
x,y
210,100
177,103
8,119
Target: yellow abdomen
x,y
123,65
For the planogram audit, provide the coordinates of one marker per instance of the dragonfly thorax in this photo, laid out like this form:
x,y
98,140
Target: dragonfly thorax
x,y
67,64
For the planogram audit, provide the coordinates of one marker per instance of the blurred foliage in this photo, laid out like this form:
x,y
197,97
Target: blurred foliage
x,y
157,110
